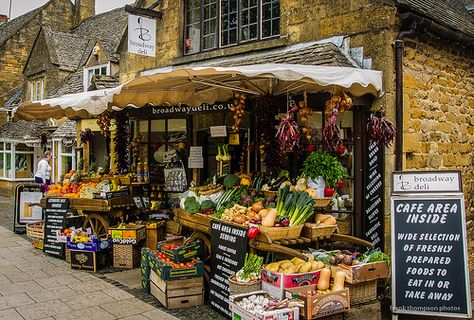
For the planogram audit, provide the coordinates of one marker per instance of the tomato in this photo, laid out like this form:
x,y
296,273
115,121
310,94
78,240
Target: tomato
x,y
341,149
167,247
182,265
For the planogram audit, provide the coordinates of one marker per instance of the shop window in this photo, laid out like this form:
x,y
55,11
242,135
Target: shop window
x,y
210,24
24,162
8,165
96,70
2,159
37,89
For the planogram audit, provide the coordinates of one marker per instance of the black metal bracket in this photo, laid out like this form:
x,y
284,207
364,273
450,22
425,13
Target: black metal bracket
x,y
148,12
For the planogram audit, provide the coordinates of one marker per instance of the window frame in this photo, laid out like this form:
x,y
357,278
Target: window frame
x,y
34,85
13,152
219,30
86,81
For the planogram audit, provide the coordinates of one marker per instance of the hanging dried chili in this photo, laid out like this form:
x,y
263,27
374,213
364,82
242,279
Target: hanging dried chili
x,y
288,133
380,130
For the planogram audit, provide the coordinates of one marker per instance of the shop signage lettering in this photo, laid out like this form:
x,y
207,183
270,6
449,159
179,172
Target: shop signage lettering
x,y
55,222
228,248
68,142
429,254
169,110
374,195
429,181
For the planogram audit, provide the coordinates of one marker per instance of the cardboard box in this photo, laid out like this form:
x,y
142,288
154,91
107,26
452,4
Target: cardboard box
x,y
138,233
321,305
184,252
364,272
95,246
239,313
275,283
174,294
167,272
88,260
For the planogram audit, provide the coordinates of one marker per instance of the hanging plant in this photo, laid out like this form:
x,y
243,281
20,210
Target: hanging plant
x,y
380,130
87,136
266,122
121,142
288,133
238,109
44,141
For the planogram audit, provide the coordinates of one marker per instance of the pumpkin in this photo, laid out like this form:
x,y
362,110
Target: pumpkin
x,y
339,281
324,276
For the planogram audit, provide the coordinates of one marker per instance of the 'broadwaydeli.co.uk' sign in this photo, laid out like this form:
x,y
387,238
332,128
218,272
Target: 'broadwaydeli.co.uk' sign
x,y
141,35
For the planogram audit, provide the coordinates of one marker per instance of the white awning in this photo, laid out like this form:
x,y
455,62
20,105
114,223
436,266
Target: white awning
x,y
197,85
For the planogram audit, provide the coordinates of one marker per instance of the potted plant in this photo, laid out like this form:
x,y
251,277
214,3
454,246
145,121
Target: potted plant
x,y
321,165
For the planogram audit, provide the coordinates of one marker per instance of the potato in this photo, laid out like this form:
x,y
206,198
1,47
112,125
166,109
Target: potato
x,y
290,270
304,267
273,267
286,264
315,265
297,261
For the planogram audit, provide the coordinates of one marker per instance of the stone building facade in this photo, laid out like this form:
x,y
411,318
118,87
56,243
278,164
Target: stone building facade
x,y
18,35
438,71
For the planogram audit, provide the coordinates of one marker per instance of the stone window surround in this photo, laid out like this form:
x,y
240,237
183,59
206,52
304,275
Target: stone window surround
x,y
219,29
12,151
86,80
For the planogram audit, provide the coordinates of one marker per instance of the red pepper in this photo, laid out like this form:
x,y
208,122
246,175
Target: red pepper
x,y
340,184
341,149
253,232
328,191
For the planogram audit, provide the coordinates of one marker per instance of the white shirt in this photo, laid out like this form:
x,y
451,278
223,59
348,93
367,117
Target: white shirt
x,y
44,170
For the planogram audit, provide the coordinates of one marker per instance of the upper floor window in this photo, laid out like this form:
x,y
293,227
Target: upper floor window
x,y
211,24
95,70
37,89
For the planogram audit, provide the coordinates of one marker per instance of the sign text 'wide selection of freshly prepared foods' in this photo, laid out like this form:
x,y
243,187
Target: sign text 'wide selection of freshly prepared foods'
x,y
429,255
229,245
55,222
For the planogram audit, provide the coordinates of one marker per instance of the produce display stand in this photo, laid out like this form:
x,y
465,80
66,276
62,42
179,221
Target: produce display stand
x,y
99,213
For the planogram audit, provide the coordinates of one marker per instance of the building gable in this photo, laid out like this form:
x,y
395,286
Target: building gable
x,y
39,58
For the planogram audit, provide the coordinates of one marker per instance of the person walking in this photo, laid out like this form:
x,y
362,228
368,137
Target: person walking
x,y
43,172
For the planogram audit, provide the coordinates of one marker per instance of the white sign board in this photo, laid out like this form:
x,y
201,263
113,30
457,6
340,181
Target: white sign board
x,y
218,131
195,162
195,152
426,181
141,35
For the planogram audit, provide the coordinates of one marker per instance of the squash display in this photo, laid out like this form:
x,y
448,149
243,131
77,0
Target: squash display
x,y
324,277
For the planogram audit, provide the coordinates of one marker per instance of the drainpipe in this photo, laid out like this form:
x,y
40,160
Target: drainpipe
x,y
399,49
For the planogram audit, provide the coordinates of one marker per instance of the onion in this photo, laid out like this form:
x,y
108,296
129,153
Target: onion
x,y
304,119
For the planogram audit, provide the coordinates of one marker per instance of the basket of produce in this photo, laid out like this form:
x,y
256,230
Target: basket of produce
x,y
322,202
344,225
125,180
318,232
247,279
277,233
35,230
208,190
269,194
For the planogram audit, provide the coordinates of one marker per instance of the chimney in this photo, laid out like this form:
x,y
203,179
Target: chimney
x,y
3,18
84,10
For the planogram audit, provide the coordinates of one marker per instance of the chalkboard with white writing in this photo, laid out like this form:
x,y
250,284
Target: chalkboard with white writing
x,y
429,256
55,221
228,249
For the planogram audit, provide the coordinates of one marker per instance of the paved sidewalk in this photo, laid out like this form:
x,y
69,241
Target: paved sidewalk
x,y
36,286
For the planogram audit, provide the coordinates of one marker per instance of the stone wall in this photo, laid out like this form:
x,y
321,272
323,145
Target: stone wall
x,y
14,52
439,114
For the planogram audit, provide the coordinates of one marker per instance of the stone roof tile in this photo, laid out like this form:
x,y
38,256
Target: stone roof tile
x,y
22,130
67,129
8,29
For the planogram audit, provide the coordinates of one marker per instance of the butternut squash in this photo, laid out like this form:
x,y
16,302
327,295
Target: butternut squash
x,y
339,281
324,276
269,219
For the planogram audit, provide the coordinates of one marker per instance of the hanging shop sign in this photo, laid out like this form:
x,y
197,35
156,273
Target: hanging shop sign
x,y
55,222
141,35
229,245
374,196
27,209
68,142
218,131
429,254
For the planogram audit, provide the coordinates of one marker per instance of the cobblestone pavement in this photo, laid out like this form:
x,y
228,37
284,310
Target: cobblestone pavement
x,y
46,288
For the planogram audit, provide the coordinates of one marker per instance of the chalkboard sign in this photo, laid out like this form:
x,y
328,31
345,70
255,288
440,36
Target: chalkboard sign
x,y
374,195
228,249
429,253
55,221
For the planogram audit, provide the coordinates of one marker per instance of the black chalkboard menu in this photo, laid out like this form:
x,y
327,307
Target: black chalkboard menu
x,y
374,195
429,256
55,220
228,249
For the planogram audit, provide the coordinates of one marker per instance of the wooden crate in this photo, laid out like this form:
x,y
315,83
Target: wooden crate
x,y
363,292
137,233
175,294
126,256
197,222
364,272
154,235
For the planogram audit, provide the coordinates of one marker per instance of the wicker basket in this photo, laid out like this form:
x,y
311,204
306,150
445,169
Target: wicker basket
x,y
67,256
322,202
344,225
35,230
363,292
315,232
126,255
268,194
243,287
94,180
125,180
276,233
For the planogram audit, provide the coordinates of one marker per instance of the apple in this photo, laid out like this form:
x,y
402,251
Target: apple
x,y
341,149
328,192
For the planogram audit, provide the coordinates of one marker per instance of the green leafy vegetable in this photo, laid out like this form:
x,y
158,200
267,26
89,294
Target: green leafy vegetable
x,y
321,163
230,181
191,205
207,204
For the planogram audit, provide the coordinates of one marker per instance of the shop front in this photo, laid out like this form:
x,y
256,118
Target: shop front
x,y
232,159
